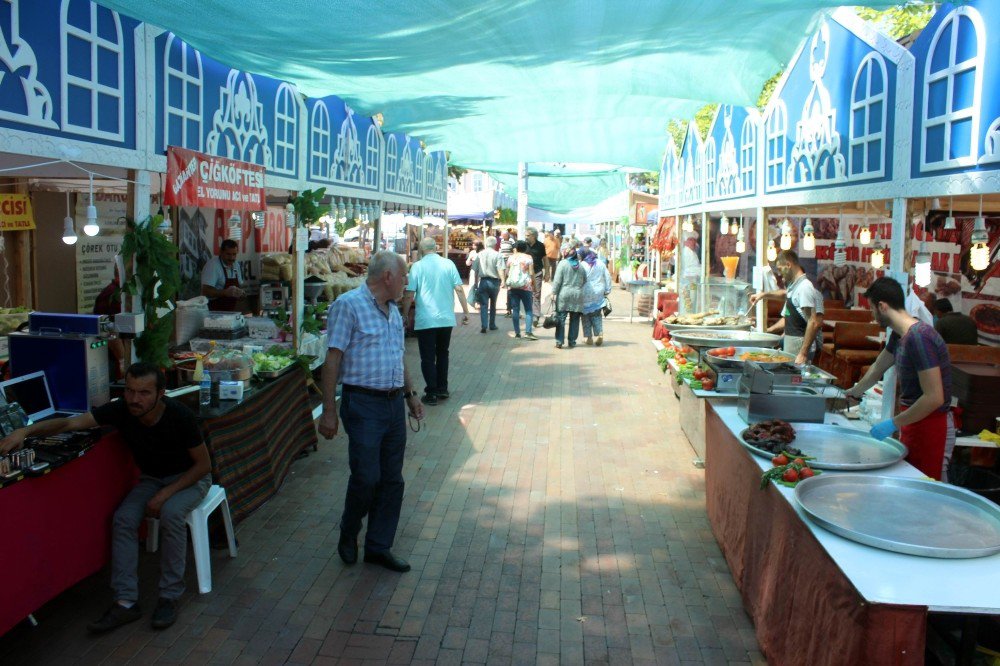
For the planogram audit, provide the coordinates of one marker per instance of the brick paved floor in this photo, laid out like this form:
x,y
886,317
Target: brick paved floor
x,y
552,515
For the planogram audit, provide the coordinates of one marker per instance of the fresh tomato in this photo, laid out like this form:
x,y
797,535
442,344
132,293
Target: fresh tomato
x,y
800,462
730,351
707,384
790,475
699,374
681,360
806,473
779,460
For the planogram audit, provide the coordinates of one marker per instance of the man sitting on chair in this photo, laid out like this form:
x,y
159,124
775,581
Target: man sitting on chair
x,y
166,443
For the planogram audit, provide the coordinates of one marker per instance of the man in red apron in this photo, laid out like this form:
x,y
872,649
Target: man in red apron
x,y
923,367
221,279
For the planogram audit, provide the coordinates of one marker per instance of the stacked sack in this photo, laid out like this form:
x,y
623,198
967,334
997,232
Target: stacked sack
x,y
275,267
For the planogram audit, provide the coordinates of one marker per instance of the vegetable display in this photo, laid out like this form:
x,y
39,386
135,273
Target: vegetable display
x,y
270,362
787,473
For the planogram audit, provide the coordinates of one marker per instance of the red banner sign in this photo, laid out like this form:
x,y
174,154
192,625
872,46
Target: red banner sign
x,y
206,181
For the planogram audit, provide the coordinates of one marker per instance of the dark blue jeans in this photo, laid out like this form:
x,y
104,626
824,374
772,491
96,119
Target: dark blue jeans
x,y
434,344
574,327
520,298
489,289
376,441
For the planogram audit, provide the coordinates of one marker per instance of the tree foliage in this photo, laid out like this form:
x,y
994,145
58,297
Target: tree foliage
x,y
900,20
645,181
702,118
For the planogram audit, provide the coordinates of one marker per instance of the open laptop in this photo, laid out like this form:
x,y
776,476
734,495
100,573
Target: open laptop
x,y
31,391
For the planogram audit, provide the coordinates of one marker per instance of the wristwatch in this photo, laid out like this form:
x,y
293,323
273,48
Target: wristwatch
x,y
409,394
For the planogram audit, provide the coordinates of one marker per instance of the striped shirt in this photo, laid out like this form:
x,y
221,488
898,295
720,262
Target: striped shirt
x,y
920,349
371,341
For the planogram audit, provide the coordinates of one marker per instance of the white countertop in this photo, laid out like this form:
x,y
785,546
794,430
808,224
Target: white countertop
x,y
943,585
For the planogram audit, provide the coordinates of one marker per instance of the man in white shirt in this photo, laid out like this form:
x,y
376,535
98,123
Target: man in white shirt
x,y
222,277
434,282
490,270
802,317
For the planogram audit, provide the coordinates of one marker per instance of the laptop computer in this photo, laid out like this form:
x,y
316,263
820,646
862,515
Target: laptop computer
x,y
32,392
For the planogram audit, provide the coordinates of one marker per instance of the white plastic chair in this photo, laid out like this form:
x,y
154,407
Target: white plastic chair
x,y
197,522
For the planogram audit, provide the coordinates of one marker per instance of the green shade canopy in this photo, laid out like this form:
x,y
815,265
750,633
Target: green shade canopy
x,y
563,188
498,82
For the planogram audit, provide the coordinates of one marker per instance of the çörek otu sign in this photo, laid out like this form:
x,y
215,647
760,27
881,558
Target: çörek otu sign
x,y
206,181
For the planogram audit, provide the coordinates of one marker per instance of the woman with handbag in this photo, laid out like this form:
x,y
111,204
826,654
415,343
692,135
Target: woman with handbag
x,y
519,282
595,292
567,294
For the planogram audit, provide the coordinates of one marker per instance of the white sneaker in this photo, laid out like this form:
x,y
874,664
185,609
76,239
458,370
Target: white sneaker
x,y
588,340
599,341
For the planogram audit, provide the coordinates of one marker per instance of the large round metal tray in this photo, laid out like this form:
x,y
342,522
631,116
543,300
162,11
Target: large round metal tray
x,y
693,327
737,363
840,448
912,516
708,338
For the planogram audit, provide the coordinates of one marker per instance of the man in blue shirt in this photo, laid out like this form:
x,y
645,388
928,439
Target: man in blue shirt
x,y
434,282
365,355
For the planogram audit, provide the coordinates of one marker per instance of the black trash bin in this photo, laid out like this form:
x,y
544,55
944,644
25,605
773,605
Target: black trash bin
x,y
980,480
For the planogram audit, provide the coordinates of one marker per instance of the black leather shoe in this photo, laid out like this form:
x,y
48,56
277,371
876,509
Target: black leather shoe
x,y
482,330
429,399
442,395
165,613
115,617
347,548
387,560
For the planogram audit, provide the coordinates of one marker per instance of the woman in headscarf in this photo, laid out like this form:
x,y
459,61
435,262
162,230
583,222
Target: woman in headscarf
x,y
567,292
597,288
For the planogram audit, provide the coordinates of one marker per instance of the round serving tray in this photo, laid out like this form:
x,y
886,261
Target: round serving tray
x,y
693,327
736,362
839,448
912,516
722,338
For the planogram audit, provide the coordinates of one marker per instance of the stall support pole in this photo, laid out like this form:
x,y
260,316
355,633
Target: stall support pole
x,y
522,199
706,260
897,250
758,279
138,194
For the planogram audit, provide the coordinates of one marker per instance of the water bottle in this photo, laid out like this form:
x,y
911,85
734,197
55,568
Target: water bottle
x,y
205,392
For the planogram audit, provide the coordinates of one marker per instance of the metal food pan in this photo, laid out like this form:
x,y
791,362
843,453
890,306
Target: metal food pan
x,y
840,448
697,327
911,516
737,363
708,338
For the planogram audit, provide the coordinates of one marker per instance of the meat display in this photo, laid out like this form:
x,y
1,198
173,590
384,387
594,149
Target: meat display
x,y
775,436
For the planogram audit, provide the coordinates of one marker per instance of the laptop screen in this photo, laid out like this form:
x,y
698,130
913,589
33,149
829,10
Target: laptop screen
x,y
31,391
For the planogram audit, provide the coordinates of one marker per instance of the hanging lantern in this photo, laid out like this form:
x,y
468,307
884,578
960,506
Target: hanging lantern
x,y
290,215
772,251
724,225
786,235
922,266
979,255
877,258
808,236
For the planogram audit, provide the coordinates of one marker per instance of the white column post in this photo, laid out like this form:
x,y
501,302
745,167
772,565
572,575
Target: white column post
x,y
522,199
761,249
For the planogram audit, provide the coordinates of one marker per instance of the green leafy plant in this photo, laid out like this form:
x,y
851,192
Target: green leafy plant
x,y
154,277
309,206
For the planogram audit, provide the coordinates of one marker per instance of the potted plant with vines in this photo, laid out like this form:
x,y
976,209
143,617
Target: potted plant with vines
x,y
154,277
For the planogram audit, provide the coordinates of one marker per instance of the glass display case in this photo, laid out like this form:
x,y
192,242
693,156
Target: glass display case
x,y
728,298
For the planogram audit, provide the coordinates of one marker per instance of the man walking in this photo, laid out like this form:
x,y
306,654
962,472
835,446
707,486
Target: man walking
x,y
551,255
506,248
434,282
490,271
536,249
365,341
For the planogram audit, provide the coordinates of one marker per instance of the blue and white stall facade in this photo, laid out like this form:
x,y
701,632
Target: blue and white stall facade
x,y
861,133
83,83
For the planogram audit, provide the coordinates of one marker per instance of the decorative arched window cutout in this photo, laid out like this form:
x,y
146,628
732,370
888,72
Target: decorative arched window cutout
x,y
869,97
748,144
991,145
390,162
709,156
777,133
32,104
699,173
183,95
286,122
953,83
93,81
319,142
373,145
404,178
418,172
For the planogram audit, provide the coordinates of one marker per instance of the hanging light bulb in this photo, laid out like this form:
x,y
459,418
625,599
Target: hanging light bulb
x,y
91,227
688,225
877,258
786,234
741,244
922,266
290,215
69,233
979,255
808,236
235,226
865,234
258,219
772,251
724,225
949,222
840,245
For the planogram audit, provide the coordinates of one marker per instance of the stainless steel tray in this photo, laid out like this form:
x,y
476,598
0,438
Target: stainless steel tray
x,y
274,374
738,363
912,516
840,448
695,327
708,338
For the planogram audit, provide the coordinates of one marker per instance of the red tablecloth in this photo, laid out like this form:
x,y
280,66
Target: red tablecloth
x,y
804,608
57,528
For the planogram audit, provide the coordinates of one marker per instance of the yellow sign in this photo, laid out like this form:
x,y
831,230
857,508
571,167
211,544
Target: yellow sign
x,y
15,212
